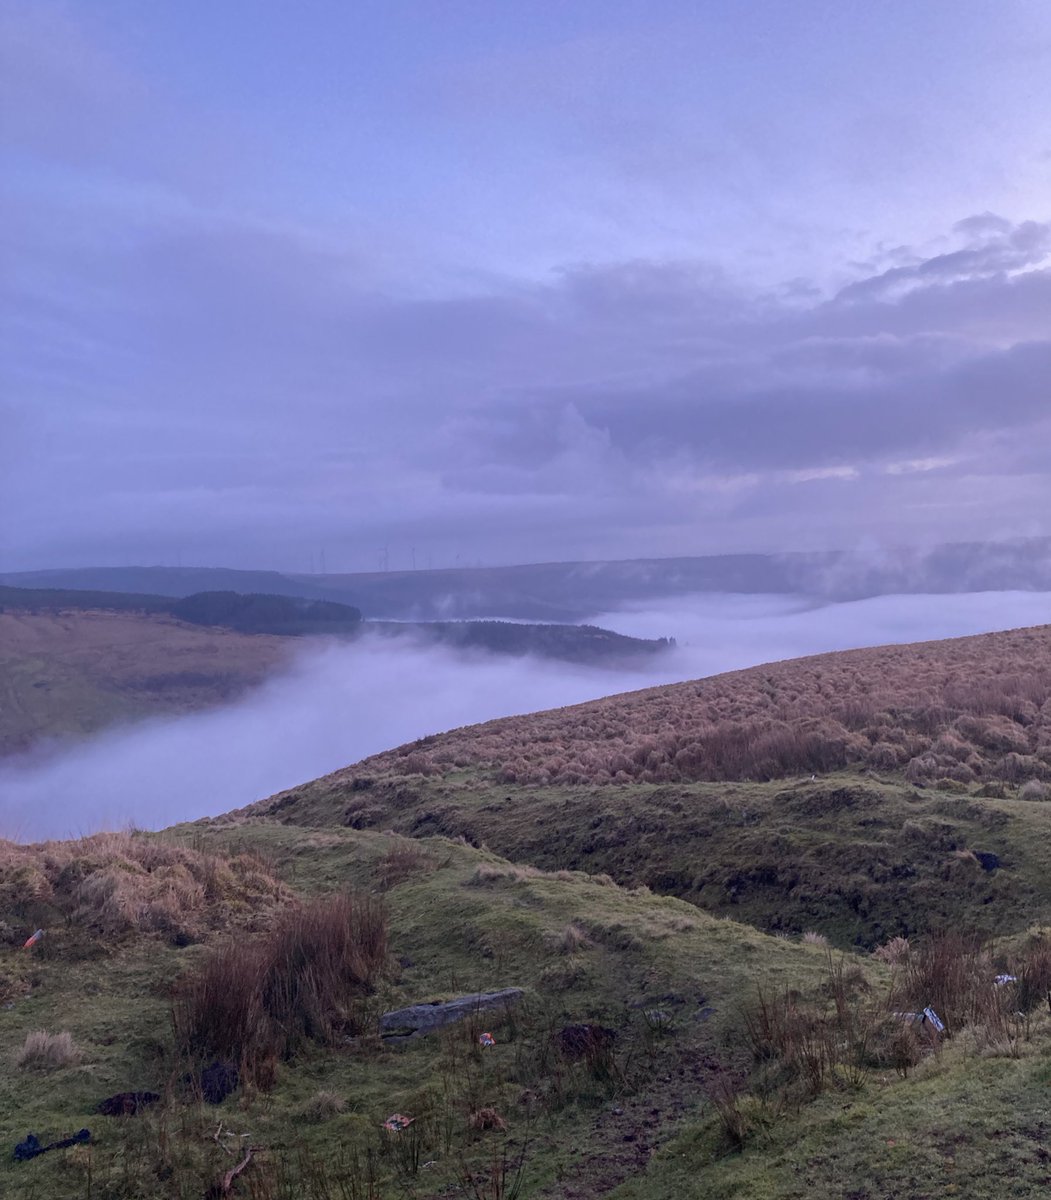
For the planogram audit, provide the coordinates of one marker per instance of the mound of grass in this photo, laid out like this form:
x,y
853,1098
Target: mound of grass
x,y
858,859
112,885
252,1001
43,1051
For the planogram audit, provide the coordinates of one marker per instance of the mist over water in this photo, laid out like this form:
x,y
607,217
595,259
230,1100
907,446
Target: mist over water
x,y
724,632
341,703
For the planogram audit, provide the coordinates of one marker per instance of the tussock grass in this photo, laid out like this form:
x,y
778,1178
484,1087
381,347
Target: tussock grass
x,y
841,1037
894,953
323,1106
572,939
960,711
1035,789
114,884
405,860
254,1001
489,874
43,1051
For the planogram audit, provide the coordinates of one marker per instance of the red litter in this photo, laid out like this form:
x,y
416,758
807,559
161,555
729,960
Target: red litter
x,y
396,1122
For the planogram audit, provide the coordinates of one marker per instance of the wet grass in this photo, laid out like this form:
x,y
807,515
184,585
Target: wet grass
x,y
859,858
448,936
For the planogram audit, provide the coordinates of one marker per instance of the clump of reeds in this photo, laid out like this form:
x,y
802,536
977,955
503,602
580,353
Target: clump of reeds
x,y
323,1105
256,1000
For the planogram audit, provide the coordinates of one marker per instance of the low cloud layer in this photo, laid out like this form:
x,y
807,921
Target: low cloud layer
x,y
342,704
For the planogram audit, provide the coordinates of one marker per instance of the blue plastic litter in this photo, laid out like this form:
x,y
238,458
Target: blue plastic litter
x,y
930,1015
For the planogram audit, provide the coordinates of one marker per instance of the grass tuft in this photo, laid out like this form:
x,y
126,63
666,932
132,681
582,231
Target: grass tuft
x,y
252,1002
43,1051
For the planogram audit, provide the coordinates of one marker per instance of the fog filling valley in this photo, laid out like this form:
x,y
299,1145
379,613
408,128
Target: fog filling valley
x,y
341,703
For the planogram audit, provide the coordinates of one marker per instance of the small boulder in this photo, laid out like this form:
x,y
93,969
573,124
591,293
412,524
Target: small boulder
x,y
418,1020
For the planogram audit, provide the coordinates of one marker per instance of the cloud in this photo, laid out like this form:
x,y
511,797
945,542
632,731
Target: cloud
x,y
287,396
1010,249
224,340
344,703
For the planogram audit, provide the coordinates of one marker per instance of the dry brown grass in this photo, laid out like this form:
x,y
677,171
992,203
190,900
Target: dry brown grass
x,y
43,1051
955,712
117,883
255,1000
322,1106
572,939
405,860
893,953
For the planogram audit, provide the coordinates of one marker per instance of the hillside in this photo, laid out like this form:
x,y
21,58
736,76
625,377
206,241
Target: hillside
x,y
577,591
959,711
74,673
929,764
570,643
722,1062
742,1037
459,920
247,612
72,663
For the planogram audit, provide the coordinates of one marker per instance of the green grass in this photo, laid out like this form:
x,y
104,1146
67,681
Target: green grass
x,y
451,935
856,857
965,1125
973,1120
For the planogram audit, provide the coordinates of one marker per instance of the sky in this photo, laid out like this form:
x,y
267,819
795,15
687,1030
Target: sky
x,y
342,702
466,282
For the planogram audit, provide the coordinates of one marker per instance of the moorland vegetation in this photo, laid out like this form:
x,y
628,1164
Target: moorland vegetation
x,y
959,711
874,1022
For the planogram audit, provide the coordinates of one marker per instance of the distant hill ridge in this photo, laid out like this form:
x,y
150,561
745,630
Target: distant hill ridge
x,y
576,591
73,662
297,615
246,612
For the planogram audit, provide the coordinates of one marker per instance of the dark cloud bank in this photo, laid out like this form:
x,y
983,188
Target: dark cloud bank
x,y
618,411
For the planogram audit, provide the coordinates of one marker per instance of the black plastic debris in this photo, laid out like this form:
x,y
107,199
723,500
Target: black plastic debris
x,y
585,1041
126,1104
218,1080
32,1146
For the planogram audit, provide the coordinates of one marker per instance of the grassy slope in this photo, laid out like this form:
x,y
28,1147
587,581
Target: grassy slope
x,y
855,858
705,789
452,937
858,855
74,673
973,1121
959,711
967,1124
